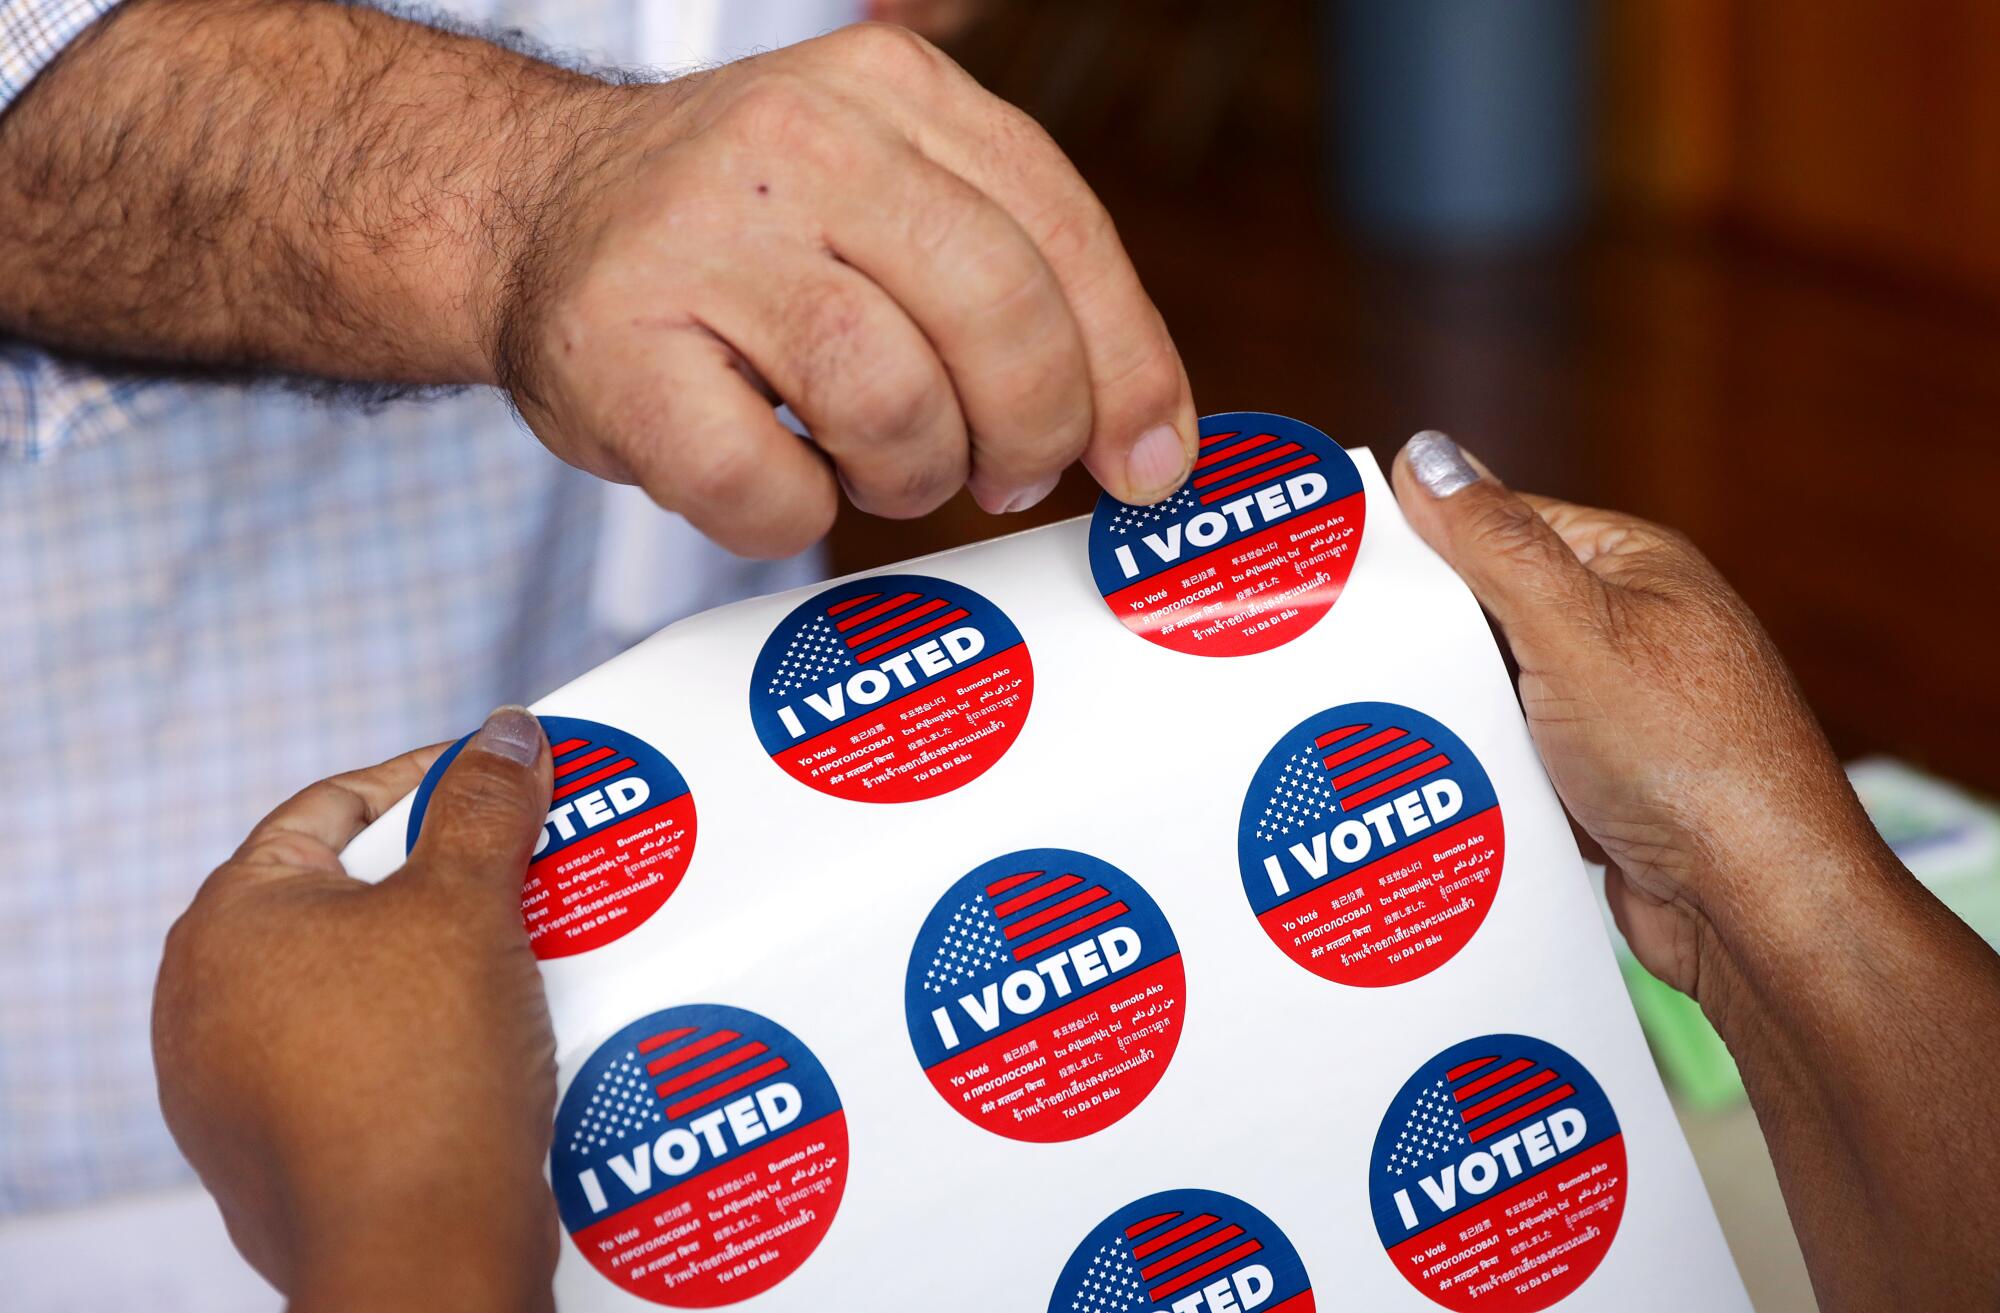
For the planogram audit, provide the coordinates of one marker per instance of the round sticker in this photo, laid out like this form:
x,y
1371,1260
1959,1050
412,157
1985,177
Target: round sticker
x,y
1370,844
1498,1176
1045,995
893,688
1188,1251
618,838
1249,554
699,1156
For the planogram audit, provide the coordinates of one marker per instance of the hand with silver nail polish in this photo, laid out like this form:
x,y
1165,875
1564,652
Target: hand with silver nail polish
x,y
1743,871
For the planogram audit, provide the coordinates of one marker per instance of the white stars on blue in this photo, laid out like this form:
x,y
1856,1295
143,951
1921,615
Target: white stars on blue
x,y
1433,1127
971,944
621,1102
1303,795
814,654
1112,1285
1130,519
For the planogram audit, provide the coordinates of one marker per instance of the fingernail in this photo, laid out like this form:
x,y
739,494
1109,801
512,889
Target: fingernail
x,y
1028,498
1158,463
512,733
1438,463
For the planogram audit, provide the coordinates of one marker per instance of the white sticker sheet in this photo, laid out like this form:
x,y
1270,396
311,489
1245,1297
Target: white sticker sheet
x,y
1160,911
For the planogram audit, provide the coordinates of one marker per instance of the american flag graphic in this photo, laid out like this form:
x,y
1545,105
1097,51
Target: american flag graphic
x,y
581,764
670,1075
1131,519
620,1103
970,945
1113,1283
1158,1257
858,630
1432,1128
1300,797
1020,916
1345,770
1231,463
873,625
814,655
1476,1100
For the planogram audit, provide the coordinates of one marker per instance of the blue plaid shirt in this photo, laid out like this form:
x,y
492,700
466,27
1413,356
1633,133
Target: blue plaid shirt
x,y
213,596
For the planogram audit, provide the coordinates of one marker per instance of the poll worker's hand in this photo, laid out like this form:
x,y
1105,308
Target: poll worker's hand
x,y
1668,722
854,226
850,225
1743,870
363,1075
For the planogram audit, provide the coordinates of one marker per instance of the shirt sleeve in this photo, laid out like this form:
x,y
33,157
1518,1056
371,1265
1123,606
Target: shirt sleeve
x,y
34,32
47,402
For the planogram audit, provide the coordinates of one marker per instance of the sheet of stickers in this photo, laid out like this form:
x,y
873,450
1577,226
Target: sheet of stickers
x,y
1164,911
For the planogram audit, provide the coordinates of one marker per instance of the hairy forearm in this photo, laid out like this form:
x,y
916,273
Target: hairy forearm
x,y
282,184
1864,1017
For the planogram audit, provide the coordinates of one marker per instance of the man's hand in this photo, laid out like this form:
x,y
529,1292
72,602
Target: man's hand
x,y
850,225
1742,870
364,1075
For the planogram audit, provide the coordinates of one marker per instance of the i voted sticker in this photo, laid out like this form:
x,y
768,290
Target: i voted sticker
x,y
893,688
1249,554
1498,1176
699,1156
1184,1251
1045,995
1370,844
618,837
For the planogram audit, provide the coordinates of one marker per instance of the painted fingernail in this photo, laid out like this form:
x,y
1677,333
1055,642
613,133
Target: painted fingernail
x,y
1030,497
1438,463
1157,464
512,733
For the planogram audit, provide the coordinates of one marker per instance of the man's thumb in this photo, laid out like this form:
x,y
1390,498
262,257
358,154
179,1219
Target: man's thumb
x,y
488,808
1518,567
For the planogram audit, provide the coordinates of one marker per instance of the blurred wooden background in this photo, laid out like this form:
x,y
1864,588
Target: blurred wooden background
x,y
1779,330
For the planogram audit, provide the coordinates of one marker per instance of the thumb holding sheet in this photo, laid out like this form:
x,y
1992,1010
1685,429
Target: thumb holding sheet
x,y
1669,724
486,814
